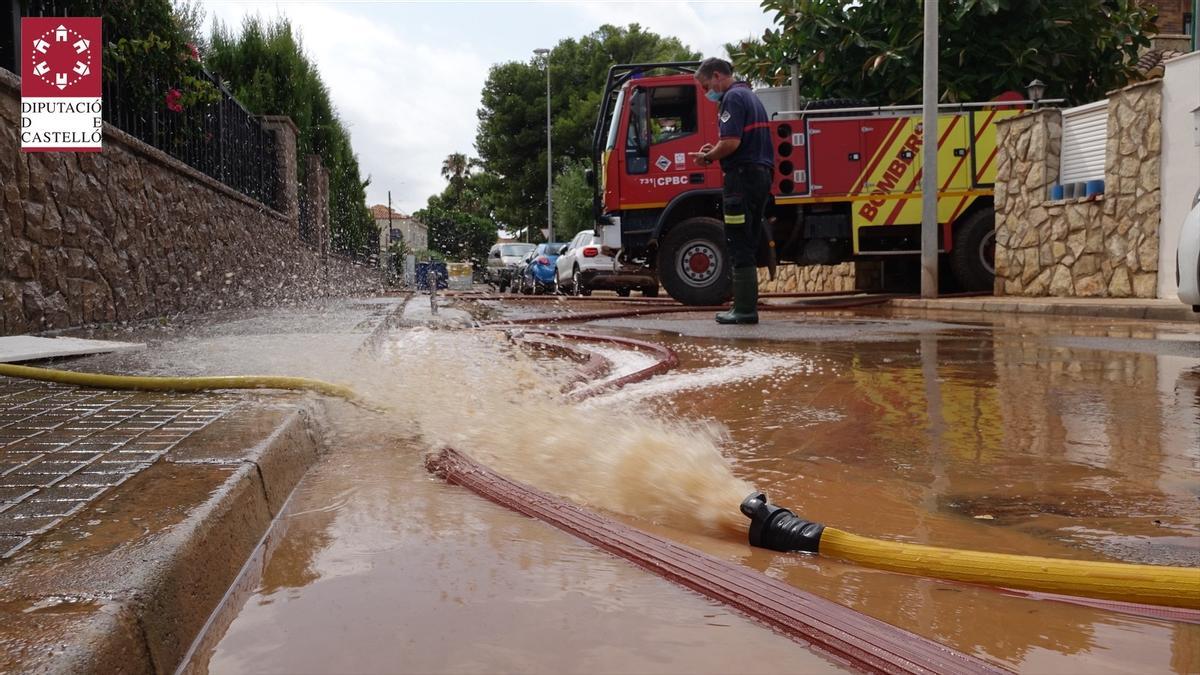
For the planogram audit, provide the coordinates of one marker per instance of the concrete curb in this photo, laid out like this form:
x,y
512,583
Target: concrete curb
x,y
127,584
1099,308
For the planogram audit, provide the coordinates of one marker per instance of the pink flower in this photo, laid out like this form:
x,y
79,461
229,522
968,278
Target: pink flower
x,y
173,96
195,53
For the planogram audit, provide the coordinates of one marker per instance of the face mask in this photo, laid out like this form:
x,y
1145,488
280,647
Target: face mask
x,y
713,95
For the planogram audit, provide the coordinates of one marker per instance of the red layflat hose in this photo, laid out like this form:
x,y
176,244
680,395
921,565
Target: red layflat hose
x,y
682,309
847,636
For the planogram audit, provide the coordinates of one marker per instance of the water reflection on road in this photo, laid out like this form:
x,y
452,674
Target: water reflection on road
x,y
995,439
1067,439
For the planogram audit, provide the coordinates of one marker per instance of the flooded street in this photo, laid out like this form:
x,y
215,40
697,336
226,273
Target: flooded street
x,y
1066,438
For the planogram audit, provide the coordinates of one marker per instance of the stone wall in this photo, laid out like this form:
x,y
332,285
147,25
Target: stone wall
x,y
131,233
822,278
1103,247
807,279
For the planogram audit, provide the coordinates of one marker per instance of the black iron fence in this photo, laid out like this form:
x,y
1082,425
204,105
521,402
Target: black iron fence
x,y
219,137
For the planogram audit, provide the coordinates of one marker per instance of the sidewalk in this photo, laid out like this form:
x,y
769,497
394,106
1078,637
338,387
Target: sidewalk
x,y
126,516
1105,308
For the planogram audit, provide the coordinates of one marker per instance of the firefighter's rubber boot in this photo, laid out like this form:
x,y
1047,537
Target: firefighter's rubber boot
x,y
745,297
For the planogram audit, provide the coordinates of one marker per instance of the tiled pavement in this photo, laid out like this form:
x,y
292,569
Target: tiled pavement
x,y
62,447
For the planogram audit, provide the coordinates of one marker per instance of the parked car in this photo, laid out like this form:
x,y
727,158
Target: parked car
x,y
503,261
583,267
1188,257
518,275
537,275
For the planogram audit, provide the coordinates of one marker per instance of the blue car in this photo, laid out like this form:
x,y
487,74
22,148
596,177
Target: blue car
x,y
538,274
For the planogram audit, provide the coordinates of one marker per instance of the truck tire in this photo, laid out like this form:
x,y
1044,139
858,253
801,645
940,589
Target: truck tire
x,y
694,264
973,259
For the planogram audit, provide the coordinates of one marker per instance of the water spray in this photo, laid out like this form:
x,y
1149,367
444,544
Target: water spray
x,y
778,529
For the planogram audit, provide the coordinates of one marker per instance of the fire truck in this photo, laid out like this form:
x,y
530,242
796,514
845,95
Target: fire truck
x,y
847,183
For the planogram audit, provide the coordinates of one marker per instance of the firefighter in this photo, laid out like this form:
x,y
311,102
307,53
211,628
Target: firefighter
x,y
747,160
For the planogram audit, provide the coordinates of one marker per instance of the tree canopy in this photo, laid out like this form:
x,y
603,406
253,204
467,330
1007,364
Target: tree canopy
x,y
511,139
461,226
873,50
267,70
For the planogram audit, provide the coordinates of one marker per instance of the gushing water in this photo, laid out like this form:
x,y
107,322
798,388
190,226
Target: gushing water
x,y
477,393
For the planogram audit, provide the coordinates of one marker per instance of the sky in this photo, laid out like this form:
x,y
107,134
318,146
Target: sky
x,y
405,77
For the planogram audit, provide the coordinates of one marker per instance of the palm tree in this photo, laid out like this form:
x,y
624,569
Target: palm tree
x,y
457,166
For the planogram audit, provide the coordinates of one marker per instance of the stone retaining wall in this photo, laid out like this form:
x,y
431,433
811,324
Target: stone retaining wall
x,y
808,279
1104,247
849,276
131,233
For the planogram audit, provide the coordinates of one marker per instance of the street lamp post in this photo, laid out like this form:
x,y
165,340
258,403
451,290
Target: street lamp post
x,y
929,187
549,155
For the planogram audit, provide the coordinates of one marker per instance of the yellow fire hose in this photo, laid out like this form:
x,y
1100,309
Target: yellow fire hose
x,y
779,529
202,383
1149,584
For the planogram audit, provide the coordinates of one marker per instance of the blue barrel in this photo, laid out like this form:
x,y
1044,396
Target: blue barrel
x,y
439,268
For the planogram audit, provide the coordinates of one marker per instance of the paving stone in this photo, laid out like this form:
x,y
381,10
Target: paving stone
x,y
93,480
48,465
12,495
133,456
36,509
61,447
69,493
107,467
14,526
29,480
11,543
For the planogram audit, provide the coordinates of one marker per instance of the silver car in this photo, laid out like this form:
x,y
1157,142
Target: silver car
x,y
503,260
1188,257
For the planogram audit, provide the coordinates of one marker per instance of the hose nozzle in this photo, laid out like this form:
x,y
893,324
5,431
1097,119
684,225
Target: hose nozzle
x,y
779,529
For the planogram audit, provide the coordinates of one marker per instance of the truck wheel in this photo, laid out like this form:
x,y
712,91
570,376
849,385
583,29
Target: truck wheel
x,y
694,264
973,259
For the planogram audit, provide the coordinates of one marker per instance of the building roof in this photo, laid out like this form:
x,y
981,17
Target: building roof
x,y
380,212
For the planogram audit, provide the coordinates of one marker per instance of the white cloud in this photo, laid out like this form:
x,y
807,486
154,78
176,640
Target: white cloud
x,y
406,78
703,26
407,104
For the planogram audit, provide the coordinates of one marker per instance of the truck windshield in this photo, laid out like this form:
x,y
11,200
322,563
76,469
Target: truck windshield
x,y
612,121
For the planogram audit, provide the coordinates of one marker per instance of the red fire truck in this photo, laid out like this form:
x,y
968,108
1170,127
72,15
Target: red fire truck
x,y
847,183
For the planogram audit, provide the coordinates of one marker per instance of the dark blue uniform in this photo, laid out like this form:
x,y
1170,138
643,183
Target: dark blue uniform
x,y
748,171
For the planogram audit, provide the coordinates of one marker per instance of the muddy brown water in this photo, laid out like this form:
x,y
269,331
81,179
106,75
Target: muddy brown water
x,y
1072,439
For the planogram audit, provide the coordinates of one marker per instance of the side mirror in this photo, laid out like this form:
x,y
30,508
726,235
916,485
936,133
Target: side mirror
x,y
590,176
562,250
